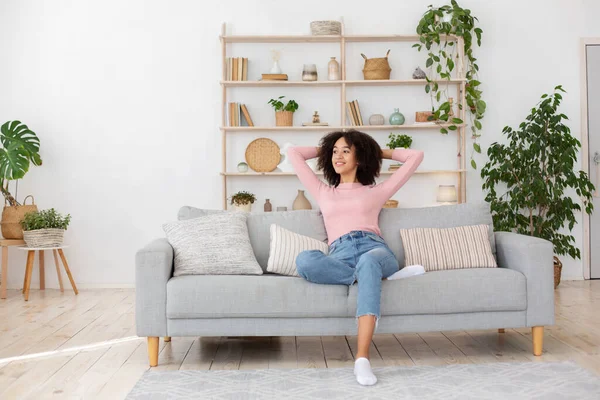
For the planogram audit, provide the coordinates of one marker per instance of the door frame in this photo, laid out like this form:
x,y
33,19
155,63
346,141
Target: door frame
x,y
587,266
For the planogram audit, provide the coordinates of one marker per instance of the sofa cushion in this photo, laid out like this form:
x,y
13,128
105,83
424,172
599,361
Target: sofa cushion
x,y
213,244
452,291
391,220
285,247
448,248
243,296
304,222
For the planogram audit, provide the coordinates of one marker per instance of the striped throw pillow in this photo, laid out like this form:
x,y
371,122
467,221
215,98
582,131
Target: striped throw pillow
x,y
448,248
284,248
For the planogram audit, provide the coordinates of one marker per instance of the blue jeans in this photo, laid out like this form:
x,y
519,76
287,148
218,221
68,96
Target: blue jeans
x,y
356,256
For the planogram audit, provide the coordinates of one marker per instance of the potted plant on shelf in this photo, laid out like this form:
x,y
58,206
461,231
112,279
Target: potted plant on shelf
x,y
535,172
284,113
19,148
44,228
396,142
243,201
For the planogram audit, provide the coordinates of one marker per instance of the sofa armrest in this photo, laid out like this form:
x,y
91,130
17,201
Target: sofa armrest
x,y
153,269
533,257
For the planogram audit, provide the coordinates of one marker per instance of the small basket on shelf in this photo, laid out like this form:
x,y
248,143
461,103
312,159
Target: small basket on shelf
x,y
391,204
319,28
376,68
45,228
51,237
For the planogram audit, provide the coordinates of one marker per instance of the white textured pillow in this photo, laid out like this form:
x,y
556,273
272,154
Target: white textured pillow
x,y
216,244
448,248
285,247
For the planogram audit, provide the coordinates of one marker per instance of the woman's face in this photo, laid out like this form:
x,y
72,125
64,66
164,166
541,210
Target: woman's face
x,y
344,157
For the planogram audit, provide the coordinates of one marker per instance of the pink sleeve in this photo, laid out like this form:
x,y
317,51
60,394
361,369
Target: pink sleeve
x,y
411,159
310,180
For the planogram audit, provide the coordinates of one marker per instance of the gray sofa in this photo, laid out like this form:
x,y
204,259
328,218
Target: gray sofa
x,y
518,294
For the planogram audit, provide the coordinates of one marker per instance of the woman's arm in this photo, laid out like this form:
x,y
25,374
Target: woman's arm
x,y
310,180
411,159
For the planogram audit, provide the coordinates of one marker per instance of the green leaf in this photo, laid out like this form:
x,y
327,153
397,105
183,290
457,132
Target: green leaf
x,y
477,124
429,63
453,127
444,130
473,164
427,88
477,147
457,121
450,64
21,146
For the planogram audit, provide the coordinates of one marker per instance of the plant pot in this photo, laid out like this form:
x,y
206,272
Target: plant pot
x,y
244,207
12,217
50,237
557,271
284,118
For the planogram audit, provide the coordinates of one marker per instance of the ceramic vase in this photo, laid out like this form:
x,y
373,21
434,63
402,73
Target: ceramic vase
x,y
333,70
309,73
268,206
396,118
301,202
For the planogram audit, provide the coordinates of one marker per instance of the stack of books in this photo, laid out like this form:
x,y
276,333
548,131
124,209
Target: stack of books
x,y
237,69
353,111
236,110
274,77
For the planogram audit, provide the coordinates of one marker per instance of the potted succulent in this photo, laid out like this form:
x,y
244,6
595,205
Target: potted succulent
x,y
19,148
396,142
284,113
44,228
534,174
243,201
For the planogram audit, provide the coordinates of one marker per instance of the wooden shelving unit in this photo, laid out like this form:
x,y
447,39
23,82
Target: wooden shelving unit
x,y
459,82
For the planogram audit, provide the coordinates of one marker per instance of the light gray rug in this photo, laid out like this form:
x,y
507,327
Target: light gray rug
x,y
539,380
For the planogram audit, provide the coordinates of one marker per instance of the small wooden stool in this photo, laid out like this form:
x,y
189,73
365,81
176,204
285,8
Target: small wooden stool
x,y
29,268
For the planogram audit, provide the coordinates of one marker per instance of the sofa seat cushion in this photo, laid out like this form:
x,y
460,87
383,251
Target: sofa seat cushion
x,y
451,291
242,296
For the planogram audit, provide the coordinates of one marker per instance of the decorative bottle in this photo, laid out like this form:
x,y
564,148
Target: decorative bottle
x,y
333,68
301,202
396,118
268,206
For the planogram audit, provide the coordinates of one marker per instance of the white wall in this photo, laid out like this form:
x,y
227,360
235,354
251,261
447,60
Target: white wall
x,y
124,96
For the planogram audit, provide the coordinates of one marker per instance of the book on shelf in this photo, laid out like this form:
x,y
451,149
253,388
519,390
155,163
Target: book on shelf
x,y
274,77
354,115
237,68
236,111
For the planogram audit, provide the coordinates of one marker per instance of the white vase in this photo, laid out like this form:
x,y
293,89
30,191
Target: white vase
x,y
275,69
244,207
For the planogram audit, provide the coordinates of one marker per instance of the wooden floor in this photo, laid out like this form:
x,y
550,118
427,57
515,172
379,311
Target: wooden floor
x,y
65,346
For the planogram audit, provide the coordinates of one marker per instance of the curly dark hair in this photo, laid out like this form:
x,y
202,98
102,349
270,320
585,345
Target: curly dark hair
x,y
368,156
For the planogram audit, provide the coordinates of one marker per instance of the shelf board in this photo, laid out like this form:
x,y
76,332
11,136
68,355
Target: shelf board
x,y
324,38
279,83
336,128
362,82
440,171
281,39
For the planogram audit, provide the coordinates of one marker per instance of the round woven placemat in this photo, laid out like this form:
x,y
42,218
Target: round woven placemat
x,y
262,155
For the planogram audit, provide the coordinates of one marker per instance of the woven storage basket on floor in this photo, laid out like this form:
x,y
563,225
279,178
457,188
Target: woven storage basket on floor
x,y
12,217
50,237
376,68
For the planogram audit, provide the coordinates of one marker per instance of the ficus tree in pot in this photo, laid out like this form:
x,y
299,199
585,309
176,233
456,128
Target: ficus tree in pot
x,y
528,179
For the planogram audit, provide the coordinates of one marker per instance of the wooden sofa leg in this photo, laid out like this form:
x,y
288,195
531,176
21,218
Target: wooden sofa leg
x,y
153,350
501,330
538,339
167,338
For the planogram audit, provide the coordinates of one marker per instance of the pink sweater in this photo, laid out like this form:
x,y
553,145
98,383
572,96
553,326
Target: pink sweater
x,y
352,206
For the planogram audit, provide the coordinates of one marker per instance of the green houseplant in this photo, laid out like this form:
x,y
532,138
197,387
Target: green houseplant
x,y
44,228
20,148
434,30
243,200
397,141
284,112
535,169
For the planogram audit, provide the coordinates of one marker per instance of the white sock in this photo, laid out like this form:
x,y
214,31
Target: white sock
x,y
410,270
363,373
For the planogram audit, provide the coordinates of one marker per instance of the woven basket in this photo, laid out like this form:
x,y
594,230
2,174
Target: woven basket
x,y
421,116
284,118
50,237
12,217
376,68
318,28
557,271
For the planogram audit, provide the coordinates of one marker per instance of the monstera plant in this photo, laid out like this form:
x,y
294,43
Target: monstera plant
x,y
20,148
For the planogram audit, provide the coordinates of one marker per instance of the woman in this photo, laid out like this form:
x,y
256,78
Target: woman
x,y
350,205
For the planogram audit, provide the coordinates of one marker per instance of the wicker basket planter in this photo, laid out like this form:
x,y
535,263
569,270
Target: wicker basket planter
x,y
50,237
284,118
12,217
376,68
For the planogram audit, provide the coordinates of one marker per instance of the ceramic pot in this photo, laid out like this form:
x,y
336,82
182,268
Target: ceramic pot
x,y
309,73
396,118
301,202
244,207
